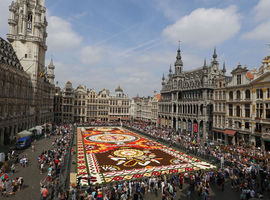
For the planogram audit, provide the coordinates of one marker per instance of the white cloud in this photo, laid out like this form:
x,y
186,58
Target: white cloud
x,y
4,17
61,37
91,54
205,27
262,10
260,32
169,8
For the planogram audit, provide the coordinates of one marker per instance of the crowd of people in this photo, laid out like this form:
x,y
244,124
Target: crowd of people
x,y
244,168
51,162
9,186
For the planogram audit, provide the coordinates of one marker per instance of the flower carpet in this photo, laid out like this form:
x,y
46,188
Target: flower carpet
x,y
114,154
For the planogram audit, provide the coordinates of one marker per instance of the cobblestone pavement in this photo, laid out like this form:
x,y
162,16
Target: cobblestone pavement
x,y
32,179
31,174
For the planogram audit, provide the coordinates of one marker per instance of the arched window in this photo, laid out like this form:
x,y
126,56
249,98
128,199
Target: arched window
x,y
247,94
29,21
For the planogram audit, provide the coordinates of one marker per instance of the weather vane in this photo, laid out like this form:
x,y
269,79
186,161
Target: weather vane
x,y
180,41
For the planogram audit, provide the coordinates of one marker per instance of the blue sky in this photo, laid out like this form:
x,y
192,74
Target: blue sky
x,y
104,43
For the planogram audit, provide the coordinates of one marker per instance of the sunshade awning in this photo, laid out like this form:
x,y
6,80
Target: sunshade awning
x,y
24,134
230,132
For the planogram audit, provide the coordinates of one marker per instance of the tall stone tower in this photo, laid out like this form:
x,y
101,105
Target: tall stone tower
x,y
27,34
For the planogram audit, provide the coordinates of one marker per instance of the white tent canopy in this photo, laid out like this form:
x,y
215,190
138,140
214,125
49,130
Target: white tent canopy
x,y
24,134
36,128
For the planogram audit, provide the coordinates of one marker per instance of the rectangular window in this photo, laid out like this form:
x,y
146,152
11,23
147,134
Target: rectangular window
x,y
259,93
239,79
258,128
230,110
268,92
246,125
247,110
259,110
267,111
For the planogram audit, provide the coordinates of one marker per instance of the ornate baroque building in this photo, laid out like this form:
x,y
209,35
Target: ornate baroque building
x,y
119,106
58,100
68,103
80,104
146,108
83,105
247,107
187,97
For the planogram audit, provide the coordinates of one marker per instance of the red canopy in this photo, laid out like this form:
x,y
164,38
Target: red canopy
x,y
230,132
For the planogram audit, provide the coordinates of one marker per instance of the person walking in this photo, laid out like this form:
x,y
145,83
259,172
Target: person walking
x,y
12,168
44,193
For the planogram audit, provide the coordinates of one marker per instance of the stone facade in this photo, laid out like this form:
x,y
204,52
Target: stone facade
x,y
68,103
92,105
219,108
27,88
119,108
187,97
80,104
58,100
247,107
16,95
27,34
83,105
146,108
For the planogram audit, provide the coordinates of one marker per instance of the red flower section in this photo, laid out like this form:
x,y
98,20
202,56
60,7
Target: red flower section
x,y
81,167
117,178
80,157
82,173
173,171
156,173
189,169
137,175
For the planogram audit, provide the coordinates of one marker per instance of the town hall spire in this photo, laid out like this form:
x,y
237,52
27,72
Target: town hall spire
x,y
178,63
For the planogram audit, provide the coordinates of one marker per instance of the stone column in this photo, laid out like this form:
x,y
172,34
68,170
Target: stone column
x,y
176,124
204,131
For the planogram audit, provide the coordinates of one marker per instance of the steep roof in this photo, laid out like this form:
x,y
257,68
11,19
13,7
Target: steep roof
x,y
8,55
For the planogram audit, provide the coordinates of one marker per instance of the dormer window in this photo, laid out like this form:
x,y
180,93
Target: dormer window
x,y
29,22
239,79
